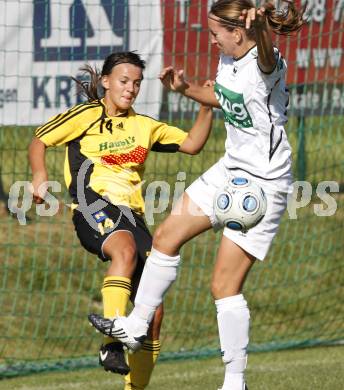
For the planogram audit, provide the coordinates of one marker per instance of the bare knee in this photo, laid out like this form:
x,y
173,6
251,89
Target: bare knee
x,y
222,288
231,269
123,261
166,242
159,237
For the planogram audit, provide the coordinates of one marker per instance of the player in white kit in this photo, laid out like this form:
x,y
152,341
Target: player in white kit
x,y
250,89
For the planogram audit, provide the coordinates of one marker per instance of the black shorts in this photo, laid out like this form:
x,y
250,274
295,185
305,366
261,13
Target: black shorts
x,y
93,229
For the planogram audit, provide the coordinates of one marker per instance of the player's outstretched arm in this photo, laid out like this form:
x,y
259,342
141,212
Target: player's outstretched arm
x,y
174,80
199,133
38,168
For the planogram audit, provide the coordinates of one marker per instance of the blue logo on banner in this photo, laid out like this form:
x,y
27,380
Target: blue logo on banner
x,y
75,30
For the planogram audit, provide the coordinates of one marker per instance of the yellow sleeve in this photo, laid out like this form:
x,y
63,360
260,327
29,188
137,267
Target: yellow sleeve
x,y
166,138
67,126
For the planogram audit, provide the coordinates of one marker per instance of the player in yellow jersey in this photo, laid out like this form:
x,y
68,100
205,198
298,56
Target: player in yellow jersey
x,y
107,144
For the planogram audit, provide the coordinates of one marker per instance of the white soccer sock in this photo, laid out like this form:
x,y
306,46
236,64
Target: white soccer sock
x,y
233,318
159,273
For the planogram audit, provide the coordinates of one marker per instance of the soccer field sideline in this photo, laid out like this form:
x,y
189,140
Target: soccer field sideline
x,y
306,369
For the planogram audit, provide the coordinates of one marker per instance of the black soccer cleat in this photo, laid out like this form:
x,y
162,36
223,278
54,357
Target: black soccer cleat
x,y
103,325
117,328
111,357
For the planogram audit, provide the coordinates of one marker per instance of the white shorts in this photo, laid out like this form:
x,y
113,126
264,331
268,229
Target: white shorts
x,y
255,241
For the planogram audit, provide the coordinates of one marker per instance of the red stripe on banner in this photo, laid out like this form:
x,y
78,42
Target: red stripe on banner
x,y
186,39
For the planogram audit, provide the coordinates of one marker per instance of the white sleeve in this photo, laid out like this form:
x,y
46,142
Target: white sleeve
x,y
277,74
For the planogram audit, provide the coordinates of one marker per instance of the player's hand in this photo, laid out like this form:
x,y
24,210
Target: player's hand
x,y
255,17
39,186
173,79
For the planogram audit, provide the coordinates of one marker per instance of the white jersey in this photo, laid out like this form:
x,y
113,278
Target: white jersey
x,y
254,106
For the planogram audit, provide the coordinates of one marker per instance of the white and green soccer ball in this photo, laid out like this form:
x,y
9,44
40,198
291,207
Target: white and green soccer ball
x,y
240,204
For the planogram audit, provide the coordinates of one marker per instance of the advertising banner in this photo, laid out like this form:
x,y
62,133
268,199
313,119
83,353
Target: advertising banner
x,y
315,55
44,43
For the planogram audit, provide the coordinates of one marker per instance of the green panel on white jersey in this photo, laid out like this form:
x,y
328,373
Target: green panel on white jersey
x,y
233,107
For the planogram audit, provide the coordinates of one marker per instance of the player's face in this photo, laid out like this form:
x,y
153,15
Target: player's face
x,y
122,86
225,40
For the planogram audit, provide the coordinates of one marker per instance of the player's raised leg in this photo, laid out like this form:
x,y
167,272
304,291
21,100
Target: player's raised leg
x,y
185,222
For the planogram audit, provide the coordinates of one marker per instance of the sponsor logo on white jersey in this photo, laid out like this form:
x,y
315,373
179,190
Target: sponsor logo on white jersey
x,y
233,107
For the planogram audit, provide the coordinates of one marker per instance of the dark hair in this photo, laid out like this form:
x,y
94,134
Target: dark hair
x,y
282,22
90,88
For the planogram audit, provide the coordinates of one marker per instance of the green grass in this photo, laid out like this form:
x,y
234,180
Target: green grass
x,y
306,369
323,153
48,283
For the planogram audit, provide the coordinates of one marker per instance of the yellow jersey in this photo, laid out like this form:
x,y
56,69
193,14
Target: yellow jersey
x,y
114,148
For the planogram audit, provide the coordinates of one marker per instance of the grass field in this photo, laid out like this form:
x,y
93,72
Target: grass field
x,y
48,283
306,369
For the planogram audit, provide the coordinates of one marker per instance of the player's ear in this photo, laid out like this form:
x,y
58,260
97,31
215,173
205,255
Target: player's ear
x,y
105,82
238,35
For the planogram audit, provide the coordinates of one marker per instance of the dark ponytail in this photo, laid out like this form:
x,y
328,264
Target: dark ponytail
x,y
90,88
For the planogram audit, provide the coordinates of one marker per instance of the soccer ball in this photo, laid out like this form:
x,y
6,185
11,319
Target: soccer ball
x,y
240,204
